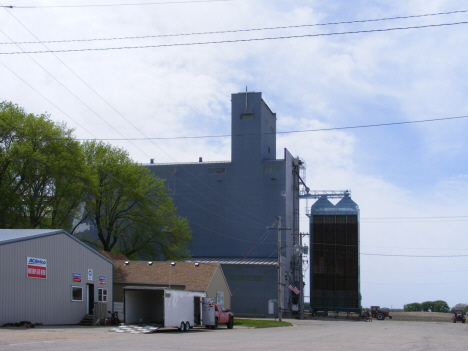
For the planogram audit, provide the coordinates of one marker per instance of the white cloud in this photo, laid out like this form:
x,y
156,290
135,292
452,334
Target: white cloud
x,y
311,83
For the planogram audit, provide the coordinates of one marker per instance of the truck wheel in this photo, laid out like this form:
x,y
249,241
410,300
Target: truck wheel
x,y
230,325
380,316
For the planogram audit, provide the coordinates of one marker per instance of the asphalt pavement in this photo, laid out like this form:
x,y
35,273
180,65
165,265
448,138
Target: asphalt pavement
x,y
324,334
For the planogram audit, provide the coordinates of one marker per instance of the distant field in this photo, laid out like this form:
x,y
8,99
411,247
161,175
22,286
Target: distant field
x,y
422,316
408,316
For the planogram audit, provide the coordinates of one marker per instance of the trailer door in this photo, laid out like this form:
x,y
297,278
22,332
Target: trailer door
x,y
208,310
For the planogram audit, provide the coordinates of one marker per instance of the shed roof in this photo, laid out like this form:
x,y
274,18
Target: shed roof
x,y
8,236
12,235
182,273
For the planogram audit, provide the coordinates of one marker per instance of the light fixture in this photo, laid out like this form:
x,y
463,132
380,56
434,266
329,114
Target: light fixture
x,y
150,263
197,264
126,263
172,263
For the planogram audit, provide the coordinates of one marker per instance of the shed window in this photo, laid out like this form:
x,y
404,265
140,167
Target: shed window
x,y
77,293
102,295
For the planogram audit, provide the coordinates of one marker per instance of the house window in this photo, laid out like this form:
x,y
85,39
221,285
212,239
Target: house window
x,y
102,295
77,293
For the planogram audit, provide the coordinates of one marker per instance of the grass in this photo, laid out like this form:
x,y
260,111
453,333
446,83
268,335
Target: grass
x,y
260,323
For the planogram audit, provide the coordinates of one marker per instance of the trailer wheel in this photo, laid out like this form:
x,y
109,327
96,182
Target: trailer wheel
x,y
182,327
187,326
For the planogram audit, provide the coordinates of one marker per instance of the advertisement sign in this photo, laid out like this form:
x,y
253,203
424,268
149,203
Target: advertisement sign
x,y
37,267
77,277
102,280
90,274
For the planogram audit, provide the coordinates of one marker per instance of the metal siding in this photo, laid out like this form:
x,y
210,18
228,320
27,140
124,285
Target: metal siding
x,y
334,275
251,287
229,212
48,301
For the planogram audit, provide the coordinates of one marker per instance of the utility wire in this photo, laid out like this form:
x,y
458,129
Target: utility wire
x,y
111,5
292,131
320,252
235,40
238,30
121,115
418,256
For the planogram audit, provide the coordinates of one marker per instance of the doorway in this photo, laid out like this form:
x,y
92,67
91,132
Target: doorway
x,y
90,299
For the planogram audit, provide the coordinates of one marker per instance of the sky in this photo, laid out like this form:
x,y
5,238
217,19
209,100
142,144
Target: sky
x,y
314,71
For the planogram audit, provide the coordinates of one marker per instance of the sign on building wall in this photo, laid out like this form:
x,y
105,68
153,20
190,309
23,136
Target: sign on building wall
x,y
37,267
102,280
77,277
90,274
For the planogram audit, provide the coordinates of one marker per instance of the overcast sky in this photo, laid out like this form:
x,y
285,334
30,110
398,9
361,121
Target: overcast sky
x,y
409,180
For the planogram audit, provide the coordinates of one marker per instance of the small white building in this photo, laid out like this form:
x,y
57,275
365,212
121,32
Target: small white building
x,y
47,276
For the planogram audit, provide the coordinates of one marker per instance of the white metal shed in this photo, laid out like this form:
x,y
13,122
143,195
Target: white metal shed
x,y
47,276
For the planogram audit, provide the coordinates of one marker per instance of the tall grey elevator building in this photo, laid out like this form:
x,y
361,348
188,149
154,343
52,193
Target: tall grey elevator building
x,y
230,205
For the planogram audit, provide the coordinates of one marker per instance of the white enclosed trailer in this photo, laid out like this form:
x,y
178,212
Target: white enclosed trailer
x,y
163,307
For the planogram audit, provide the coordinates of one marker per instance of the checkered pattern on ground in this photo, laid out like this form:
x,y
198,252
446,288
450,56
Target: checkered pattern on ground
x,y
136,329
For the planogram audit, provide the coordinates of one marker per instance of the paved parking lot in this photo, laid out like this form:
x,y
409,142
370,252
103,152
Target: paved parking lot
x,y
304,335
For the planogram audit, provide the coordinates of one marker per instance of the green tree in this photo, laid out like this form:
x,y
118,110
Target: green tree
x,y
441,306
130,208
42,171
460,306
412,307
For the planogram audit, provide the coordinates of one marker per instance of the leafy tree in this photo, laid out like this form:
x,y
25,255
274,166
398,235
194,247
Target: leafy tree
x,y
130,208
434,306
460,306
42,171
440,306
412,307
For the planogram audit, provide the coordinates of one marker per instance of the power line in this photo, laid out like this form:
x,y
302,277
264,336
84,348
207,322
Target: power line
x,y
423,217
238,30
451,283
291,131
111,5
134,126
418,256
235,40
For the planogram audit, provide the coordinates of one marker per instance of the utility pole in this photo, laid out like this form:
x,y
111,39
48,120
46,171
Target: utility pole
x,y
301,281
279,266
300,250
279,270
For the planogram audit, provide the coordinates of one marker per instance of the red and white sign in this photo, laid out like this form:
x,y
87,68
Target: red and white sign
x,y
102,280
37,267
77,277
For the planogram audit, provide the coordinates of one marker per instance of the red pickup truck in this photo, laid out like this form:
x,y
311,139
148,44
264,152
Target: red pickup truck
x,y
223,316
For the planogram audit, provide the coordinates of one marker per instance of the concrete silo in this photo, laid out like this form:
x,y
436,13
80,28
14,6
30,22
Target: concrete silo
x,y
334,254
